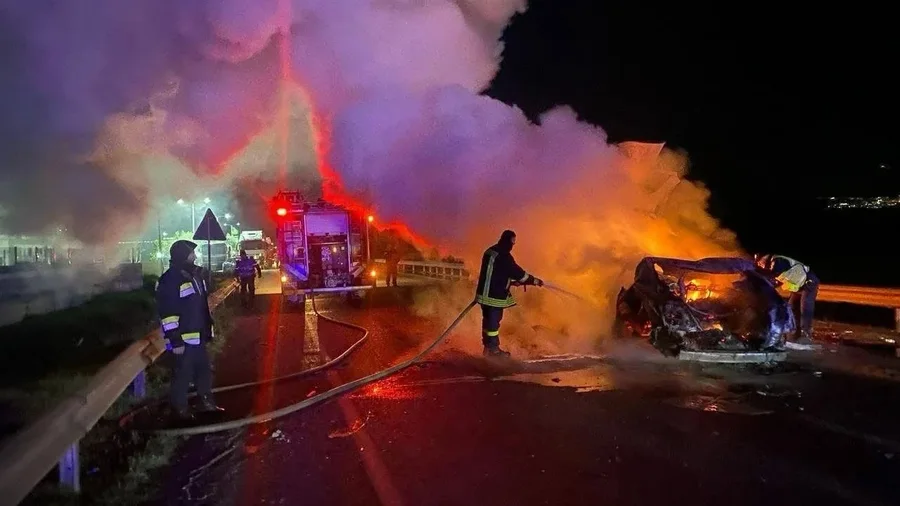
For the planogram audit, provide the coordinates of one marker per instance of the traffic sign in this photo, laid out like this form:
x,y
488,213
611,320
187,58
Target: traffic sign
x,y
209,228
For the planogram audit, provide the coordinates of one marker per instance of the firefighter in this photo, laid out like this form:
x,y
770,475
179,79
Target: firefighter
x,y
181,297
392,261
244,271
802,284
498,271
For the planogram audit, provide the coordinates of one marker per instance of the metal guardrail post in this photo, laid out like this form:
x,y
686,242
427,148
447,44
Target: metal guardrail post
x,y
69,469
53,438
139,385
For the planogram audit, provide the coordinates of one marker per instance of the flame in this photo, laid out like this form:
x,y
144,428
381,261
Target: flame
x,y
697,289
333,186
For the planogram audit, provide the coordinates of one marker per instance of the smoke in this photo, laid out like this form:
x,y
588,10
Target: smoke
x,y
124,106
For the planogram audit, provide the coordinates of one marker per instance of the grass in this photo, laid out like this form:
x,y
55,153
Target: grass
x,y
120,466
49,356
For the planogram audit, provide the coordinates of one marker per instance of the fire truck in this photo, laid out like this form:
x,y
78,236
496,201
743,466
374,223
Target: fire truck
x,y
321,248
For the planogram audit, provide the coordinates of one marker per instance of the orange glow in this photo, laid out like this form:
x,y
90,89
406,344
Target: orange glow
x,y
697,289
333,187
373,273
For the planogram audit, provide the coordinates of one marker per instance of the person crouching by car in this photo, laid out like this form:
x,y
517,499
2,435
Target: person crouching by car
x,y
803,285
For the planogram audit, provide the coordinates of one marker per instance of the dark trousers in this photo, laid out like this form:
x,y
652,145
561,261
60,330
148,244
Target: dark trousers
x,y
191,366
805,301
392,275
248,290
490,326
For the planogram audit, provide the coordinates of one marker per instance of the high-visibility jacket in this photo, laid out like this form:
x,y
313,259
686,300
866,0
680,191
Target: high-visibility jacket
x,y
498,271
247,267
789,272
181,299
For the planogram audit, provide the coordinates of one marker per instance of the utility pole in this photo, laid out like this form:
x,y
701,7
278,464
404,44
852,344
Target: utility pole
x,y
159,243
369,220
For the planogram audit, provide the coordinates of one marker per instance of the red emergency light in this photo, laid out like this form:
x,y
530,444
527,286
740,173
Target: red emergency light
x,y
281,211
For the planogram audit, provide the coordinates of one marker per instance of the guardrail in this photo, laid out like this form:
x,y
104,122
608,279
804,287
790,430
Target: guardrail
x,y
438,270
53,438
847,294
863,296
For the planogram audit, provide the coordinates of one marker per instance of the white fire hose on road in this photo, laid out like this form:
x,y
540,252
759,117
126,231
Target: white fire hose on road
x,y
330,394
327,395
312,401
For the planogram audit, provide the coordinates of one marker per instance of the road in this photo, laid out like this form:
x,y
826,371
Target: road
x,y
623,427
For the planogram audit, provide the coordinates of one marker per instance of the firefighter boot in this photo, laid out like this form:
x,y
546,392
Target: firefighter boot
x,y
805,338
208,406
495,351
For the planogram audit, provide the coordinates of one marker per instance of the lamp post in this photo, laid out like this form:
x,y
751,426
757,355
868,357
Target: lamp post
x,y
181,202
159,243
369,220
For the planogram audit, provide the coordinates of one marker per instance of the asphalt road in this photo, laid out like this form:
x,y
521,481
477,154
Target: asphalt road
x,y
623,427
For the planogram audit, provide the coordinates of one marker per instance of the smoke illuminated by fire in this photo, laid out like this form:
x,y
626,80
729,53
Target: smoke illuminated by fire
x,y
378,99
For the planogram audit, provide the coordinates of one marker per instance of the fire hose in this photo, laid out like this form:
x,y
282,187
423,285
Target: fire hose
x,y
327,395
317,399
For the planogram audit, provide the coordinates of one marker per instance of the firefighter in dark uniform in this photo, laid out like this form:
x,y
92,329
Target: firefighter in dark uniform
x,y
244,270
498,272
181,297
802,284
392,262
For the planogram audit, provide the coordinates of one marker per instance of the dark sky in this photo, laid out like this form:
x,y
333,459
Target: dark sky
x,y
781,102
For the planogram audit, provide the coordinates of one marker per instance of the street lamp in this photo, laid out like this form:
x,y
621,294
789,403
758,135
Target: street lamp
x,y
181,202
369,220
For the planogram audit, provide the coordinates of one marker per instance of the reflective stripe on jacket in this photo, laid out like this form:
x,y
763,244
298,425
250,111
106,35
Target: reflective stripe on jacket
x,y
181,299
498,271
246,267
790,273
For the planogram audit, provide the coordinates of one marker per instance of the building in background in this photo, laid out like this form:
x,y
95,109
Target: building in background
x,y
22,249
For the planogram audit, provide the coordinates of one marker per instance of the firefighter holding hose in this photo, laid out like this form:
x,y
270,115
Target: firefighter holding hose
x,y
802,284
187,323
499,271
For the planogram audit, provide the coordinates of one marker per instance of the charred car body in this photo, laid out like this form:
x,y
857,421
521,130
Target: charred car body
x,y
713,304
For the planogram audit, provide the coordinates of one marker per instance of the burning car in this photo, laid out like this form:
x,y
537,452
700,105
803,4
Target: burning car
x,y
713,304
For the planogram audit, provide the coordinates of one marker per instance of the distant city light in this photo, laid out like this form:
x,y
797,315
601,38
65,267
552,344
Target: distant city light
x,y
863,202
228,216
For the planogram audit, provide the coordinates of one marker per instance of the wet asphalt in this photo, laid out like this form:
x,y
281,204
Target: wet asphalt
x,y
623,426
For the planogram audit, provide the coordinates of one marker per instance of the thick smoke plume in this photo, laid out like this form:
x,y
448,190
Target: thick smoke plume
x,y
122,105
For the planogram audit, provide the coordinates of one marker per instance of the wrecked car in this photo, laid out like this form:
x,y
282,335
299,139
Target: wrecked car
x,y
712,304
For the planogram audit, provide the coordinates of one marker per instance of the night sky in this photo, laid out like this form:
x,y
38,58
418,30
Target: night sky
x,y
771,105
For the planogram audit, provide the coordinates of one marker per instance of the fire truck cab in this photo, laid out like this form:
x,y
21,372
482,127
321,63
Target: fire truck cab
x,y
320,248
